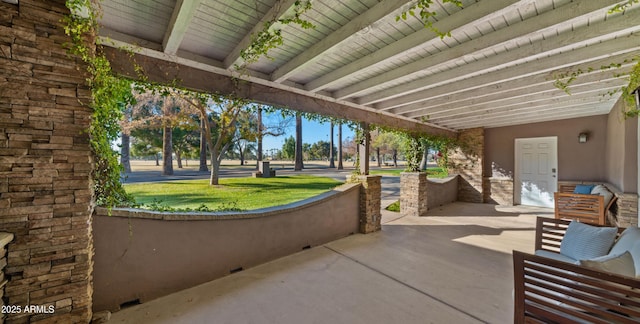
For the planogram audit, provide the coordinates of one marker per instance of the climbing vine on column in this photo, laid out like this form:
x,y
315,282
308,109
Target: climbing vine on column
x,y
109,95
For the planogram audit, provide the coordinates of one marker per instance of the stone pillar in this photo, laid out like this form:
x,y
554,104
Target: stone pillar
x,y
413,193
370,202
466,161
363,149
263,167
46,198
627,213
5,238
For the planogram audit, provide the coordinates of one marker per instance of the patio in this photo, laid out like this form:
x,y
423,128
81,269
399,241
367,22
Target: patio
x,y
456,270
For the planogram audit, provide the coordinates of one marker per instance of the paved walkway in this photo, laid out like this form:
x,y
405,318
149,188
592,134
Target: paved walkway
x,y
451,267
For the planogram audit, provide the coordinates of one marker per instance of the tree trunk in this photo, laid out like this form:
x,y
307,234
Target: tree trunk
x,y
395,158
423,162
167,159
260,130
331,157
378,157
340,167
179,158
157,159
241,155
203,147
299,165
215,168
125,153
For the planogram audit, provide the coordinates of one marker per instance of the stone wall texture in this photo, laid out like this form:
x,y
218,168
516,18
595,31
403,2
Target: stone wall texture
x,y
45,164
5,238
370,202
467,161
498,191
413,193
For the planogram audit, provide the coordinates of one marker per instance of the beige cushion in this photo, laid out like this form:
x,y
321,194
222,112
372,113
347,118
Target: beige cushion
x,y
619,264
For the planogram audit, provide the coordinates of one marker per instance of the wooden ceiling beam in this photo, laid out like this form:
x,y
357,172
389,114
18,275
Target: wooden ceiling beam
x,y
279,9
180,20
617,27
543,115
535,92
476,12
158,70
377,12
479,87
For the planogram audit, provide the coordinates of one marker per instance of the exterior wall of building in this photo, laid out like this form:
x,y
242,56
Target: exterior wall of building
x,y
621,164
45,165
576,161
621,151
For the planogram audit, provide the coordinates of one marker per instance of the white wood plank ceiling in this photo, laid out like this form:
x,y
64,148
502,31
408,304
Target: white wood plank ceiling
x,y
497,68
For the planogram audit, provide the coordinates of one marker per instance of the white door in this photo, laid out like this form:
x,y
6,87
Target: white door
x,y
536,164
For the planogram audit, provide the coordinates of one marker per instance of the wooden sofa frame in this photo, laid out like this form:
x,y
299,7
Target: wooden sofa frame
x,y
585,208
550,291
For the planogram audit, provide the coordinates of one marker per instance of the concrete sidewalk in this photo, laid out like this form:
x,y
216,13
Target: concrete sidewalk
x,y
452,267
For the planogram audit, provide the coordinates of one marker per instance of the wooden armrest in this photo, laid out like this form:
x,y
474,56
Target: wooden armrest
x,y
548,290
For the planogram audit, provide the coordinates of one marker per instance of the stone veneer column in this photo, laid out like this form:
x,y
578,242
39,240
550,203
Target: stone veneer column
x,y
466,161
46,198
627,214
413,193
370,202
5,238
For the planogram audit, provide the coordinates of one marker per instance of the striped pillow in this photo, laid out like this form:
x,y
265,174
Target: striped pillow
x,y
583,242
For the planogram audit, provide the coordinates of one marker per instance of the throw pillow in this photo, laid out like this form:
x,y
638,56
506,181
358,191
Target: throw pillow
x,y
635,253
603,191
583,189
618,264
626,241
584,242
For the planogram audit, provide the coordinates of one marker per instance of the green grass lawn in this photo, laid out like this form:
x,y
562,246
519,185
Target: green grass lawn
x,y
232,194
436,172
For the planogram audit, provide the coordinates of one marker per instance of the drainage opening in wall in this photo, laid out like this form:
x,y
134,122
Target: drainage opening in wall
x,y
130,303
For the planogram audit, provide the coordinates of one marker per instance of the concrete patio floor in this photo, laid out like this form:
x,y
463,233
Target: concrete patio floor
x,y
453,266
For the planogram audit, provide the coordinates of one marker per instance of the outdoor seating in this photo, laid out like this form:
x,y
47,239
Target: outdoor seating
x,y
586,203
563,282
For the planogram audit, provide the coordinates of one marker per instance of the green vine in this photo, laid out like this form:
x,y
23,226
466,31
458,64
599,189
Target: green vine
x,y
109,95
564,80
426,16
622,6
270,36
628,92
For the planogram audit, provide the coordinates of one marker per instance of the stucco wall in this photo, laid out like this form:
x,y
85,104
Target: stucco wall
x,y
621,151
441,191
144,255
576,161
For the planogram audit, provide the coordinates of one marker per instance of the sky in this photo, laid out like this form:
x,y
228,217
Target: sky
x,y
312,132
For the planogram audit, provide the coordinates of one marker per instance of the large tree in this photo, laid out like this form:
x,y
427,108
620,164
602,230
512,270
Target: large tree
x,y
289,148
389,143
331,155
299,164
161,109
221,116
340,167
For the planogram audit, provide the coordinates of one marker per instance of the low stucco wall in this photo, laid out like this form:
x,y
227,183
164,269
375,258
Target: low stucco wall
x,y
441,191
142,255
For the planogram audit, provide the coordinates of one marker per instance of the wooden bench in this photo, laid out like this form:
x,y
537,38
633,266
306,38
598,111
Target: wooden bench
x,y
550,291
585,208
